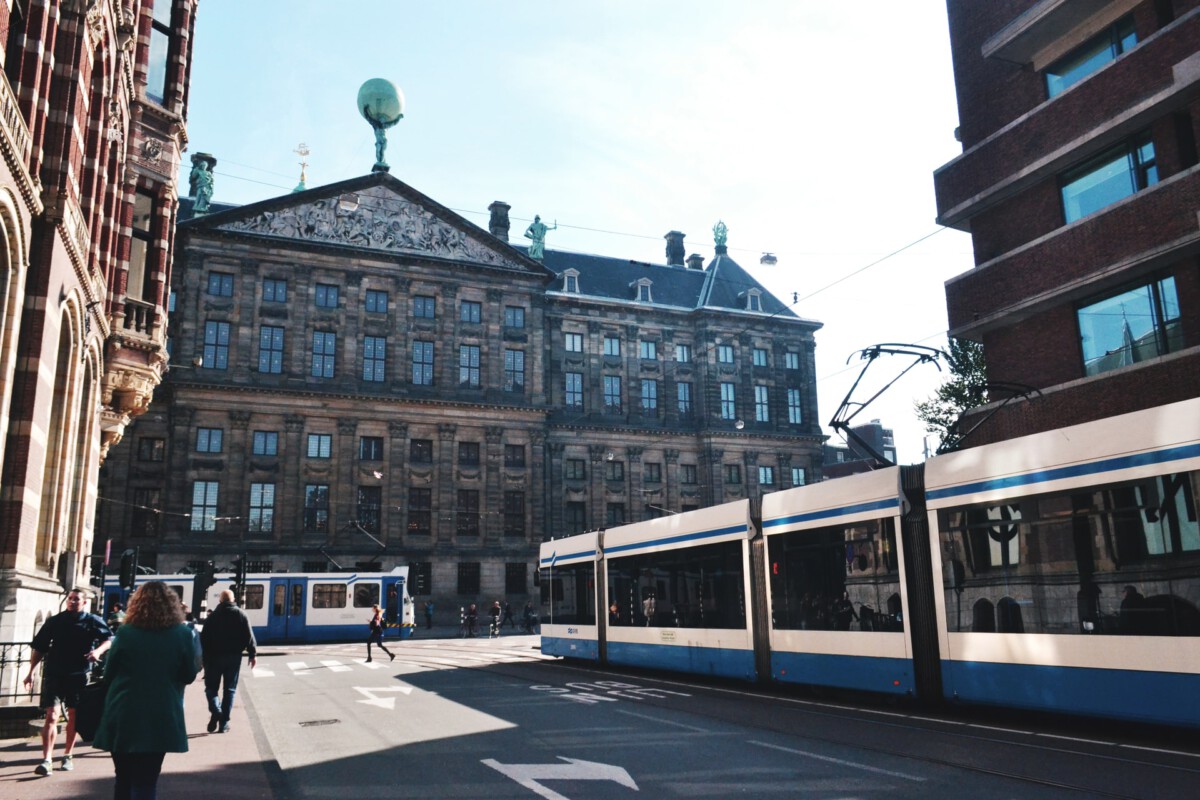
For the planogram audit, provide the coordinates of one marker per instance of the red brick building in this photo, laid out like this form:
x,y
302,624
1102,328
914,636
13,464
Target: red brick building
x,y
93,98
1080,187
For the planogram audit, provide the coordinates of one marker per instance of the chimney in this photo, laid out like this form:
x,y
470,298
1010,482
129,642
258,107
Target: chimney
x,y
498,224
695,261
675,248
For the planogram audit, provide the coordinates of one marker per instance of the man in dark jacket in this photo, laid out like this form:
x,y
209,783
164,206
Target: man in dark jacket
x,y
69,643
225,635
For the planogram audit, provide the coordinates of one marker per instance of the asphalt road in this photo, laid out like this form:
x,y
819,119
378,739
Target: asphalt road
x,y
487,719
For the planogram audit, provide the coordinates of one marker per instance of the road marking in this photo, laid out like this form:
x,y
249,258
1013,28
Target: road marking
x,y
575,769
843,762
383,702
336,666
262,672
372,665
658,721
299,668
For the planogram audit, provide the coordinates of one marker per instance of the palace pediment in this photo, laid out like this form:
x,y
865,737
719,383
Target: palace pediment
x,y
376,212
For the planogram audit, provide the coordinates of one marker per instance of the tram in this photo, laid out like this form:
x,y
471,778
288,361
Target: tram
x,y
1056,572
303,607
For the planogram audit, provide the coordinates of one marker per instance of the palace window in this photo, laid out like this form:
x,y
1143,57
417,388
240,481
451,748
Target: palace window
x,y
220,284
574,389
424,307
327,295
266,443
470,311
514,370
274,290
468,366
216,345
320,445
262,508
209,440
204,505
422,363
270,349
323,354
374,358
316,507
376,302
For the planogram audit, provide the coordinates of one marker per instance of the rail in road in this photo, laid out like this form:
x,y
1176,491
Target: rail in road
x,y
495,719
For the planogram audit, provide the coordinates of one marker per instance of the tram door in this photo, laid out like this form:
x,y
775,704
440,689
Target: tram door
x,y
288,601
393,608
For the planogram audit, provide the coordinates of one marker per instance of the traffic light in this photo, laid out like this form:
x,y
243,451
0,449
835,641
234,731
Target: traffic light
x,y
205,577
129,564
97,578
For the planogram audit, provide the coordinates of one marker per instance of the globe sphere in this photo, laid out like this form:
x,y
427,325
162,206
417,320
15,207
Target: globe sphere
x,y
380,102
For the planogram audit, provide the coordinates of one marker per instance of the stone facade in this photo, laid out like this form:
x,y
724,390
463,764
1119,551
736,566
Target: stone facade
x,y
388,384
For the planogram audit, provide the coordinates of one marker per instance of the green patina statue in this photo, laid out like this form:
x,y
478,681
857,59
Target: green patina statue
x,y
537,233
201,184
720,233
382,105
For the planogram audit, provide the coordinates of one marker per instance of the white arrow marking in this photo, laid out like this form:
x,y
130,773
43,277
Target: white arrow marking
x,y
528,775
382,702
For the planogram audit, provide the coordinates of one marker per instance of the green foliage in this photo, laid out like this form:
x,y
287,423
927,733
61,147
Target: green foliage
x,y
965,389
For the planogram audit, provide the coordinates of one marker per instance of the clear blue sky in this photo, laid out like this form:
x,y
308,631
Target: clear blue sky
x,y
811,129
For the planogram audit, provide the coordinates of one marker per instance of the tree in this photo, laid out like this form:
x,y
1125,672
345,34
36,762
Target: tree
x,y
965,389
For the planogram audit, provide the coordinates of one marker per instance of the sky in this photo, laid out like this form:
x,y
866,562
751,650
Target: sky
x,y
811,129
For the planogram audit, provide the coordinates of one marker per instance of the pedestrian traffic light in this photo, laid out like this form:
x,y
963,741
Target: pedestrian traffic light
x,y
129,564
206,576
97,572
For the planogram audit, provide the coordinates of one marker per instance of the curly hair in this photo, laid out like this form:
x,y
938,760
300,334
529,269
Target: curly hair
x,y
154,607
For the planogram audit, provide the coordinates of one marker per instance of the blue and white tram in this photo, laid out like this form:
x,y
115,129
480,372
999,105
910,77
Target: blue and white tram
x,y
1070,568
678,591
1056,572
835,569
569,584
305,607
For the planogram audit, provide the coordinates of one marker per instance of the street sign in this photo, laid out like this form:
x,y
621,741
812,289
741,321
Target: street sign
x,y
529,775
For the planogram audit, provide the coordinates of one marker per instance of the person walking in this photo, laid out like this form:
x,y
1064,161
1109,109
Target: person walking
x,y
376,633
226,633
428,614
508,617
69,643
151,661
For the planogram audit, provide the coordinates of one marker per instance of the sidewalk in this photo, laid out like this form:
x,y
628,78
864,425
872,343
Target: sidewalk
x,y
217,765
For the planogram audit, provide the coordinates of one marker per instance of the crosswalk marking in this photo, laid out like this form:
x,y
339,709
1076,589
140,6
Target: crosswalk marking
x,y
336,666
262,672
431,656
373,665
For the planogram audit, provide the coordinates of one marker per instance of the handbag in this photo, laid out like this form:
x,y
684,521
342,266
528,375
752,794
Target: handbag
x,y
90,709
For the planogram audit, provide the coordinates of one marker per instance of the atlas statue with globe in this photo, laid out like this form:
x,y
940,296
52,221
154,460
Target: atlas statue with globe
x,y
382,105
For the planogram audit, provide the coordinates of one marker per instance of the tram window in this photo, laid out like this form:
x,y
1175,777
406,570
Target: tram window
x,y
253,597
178,589
841,577
278,600
570,592
329,595
366,595
1106,559
696,587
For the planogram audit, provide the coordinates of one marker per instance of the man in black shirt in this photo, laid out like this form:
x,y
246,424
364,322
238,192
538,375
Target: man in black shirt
x,y
69,643
225,635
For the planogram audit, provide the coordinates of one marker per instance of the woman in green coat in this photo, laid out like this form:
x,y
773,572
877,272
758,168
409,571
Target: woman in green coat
x,y
152,658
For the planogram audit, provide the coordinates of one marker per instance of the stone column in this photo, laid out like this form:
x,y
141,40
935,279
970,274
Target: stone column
x,y
292,497
345,484
492,495
445,495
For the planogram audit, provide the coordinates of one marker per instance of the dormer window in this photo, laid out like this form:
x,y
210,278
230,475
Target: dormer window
x,y
571,281
643,290
753,299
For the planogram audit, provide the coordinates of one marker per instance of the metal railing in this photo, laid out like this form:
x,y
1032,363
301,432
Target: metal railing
x,y
14,664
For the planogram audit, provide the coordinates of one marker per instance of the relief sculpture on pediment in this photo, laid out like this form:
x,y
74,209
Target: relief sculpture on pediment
x,y
381,220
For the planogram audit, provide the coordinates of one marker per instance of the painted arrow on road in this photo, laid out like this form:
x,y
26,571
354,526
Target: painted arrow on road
x,y
528,775
383,702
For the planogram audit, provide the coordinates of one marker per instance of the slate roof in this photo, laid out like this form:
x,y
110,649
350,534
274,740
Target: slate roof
x,y
722,284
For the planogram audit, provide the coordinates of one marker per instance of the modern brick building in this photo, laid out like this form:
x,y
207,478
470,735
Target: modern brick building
x,y
1080,187
93,101
378,371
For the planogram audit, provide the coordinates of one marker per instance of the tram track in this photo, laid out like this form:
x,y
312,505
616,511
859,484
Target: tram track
x,y
869,729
